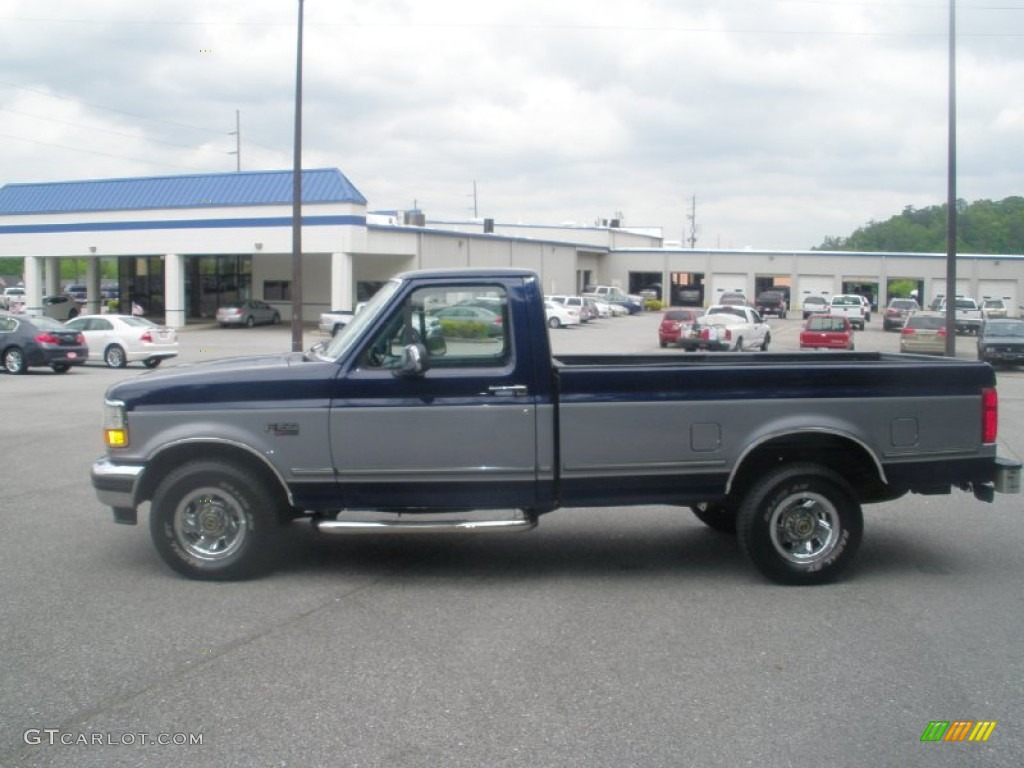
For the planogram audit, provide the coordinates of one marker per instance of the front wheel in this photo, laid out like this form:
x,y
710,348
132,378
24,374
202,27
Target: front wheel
x,y
766,342
214,521
250,321
800,524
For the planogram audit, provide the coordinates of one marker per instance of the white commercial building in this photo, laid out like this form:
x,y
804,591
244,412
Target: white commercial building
x,y
187,244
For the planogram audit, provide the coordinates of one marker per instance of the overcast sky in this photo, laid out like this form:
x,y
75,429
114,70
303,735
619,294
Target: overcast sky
x,y
786,121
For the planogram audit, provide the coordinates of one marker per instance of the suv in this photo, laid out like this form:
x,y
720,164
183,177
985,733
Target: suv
x,y
897,313
771,303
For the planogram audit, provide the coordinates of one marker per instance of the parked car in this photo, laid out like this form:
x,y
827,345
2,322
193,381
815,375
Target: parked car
x,y
464,313
675,324
729,331
12,295
771,303
1002,341
31,341
78,292
60,307
559,315
333,321
583,305
121,339
852,307
733,299
249,312
897,313
827,332
814,305
925,333
966,313
992,309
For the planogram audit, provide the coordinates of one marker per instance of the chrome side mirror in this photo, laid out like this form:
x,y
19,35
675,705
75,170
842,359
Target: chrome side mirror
x,y
414,362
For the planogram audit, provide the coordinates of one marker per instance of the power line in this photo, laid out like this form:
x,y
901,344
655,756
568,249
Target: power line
x,y
103,154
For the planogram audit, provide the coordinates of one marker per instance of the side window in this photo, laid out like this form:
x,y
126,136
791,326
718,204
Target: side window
x,y
7,324
460,326
100,324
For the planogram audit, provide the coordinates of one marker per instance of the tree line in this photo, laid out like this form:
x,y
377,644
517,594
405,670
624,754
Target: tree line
x,y
984,226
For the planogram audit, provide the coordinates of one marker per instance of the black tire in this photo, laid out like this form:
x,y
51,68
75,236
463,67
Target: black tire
x,y
14,361
214,521
61,367
72,314
715,516
663,344
800,524
739,344
115,357
766,342
554,322
152,362
250,321
276,320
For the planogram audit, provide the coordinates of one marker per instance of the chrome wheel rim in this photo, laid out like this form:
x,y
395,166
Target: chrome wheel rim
x,y
114,357
210,525
14,361
805,528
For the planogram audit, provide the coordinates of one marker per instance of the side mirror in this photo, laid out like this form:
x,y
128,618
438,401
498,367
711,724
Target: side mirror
x,y
414,362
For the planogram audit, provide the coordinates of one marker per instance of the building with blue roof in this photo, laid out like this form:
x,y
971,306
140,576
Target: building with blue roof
x,y
186,244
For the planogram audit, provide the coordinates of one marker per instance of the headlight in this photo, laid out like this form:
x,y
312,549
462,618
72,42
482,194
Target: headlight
x,y
115,424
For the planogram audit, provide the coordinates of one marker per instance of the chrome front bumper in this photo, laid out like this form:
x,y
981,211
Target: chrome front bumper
x,y
115,486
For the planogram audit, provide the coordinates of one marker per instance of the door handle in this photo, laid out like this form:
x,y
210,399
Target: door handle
x,y
509,390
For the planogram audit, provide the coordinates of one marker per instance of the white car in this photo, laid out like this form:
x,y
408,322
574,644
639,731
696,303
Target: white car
x,y
560,316
733,329
121,339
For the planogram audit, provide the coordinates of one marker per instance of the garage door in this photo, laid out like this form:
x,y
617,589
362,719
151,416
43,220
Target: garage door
x,y
1000,289
813,285
726,282
938,288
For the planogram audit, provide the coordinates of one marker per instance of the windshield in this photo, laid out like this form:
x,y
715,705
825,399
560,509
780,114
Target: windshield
x,y
353,330
1004,329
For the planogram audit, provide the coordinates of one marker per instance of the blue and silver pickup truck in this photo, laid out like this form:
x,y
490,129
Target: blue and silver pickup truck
x,y
416,418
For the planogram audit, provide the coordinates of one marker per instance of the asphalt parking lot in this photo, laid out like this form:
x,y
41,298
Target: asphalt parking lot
x,y
606,637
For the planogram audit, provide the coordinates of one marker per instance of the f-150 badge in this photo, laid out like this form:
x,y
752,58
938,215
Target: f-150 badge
x,y
283,430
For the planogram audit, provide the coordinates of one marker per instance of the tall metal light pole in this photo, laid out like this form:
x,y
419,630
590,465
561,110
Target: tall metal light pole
x,y
951,193
297,202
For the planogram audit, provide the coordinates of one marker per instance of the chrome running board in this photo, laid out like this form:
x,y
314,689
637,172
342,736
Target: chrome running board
x,y
415,523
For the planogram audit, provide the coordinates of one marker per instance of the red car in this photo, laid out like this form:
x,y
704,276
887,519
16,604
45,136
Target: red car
x,y
675,323
826,332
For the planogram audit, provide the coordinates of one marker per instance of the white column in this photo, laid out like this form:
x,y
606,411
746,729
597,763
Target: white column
x,y
342,281
33,282
174,290
92,286
52,284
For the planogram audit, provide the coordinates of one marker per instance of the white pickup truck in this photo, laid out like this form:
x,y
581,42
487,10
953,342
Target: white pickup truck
x,y
852,307
968,316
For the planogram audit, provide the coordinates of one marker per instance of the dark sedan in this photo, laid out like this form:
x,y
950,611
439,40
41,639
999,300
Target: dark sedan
x,y
31,341
1001,341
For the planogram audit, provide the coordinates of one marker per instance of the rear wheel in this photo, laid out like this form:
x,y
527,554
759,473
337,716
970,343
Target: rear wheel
x,y
276,319
250,321
554,322
115,357
61,367
152,362
14,360
800,524
214,520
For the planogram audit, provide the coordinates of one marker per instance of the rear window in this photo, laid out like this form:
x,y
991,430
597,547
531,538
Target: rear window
x,y
679,315
926,323
826,324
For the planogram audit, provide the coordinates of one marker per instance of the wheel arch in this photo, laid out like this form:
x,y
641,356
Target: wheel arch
x,y
183,452
843,453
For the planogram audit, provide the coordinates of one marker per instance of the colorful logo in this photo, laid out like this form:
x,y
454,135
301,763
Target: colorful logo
x,y
958,730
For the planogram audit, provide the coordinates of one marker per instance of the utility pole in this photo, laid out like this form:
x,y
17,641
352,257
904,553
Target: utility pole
x,y
237,133
475,213
951,193
692,218
297,202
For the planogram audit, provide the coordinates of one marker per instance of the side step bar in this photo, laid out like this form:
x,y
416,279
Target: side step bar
x,y
410,524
